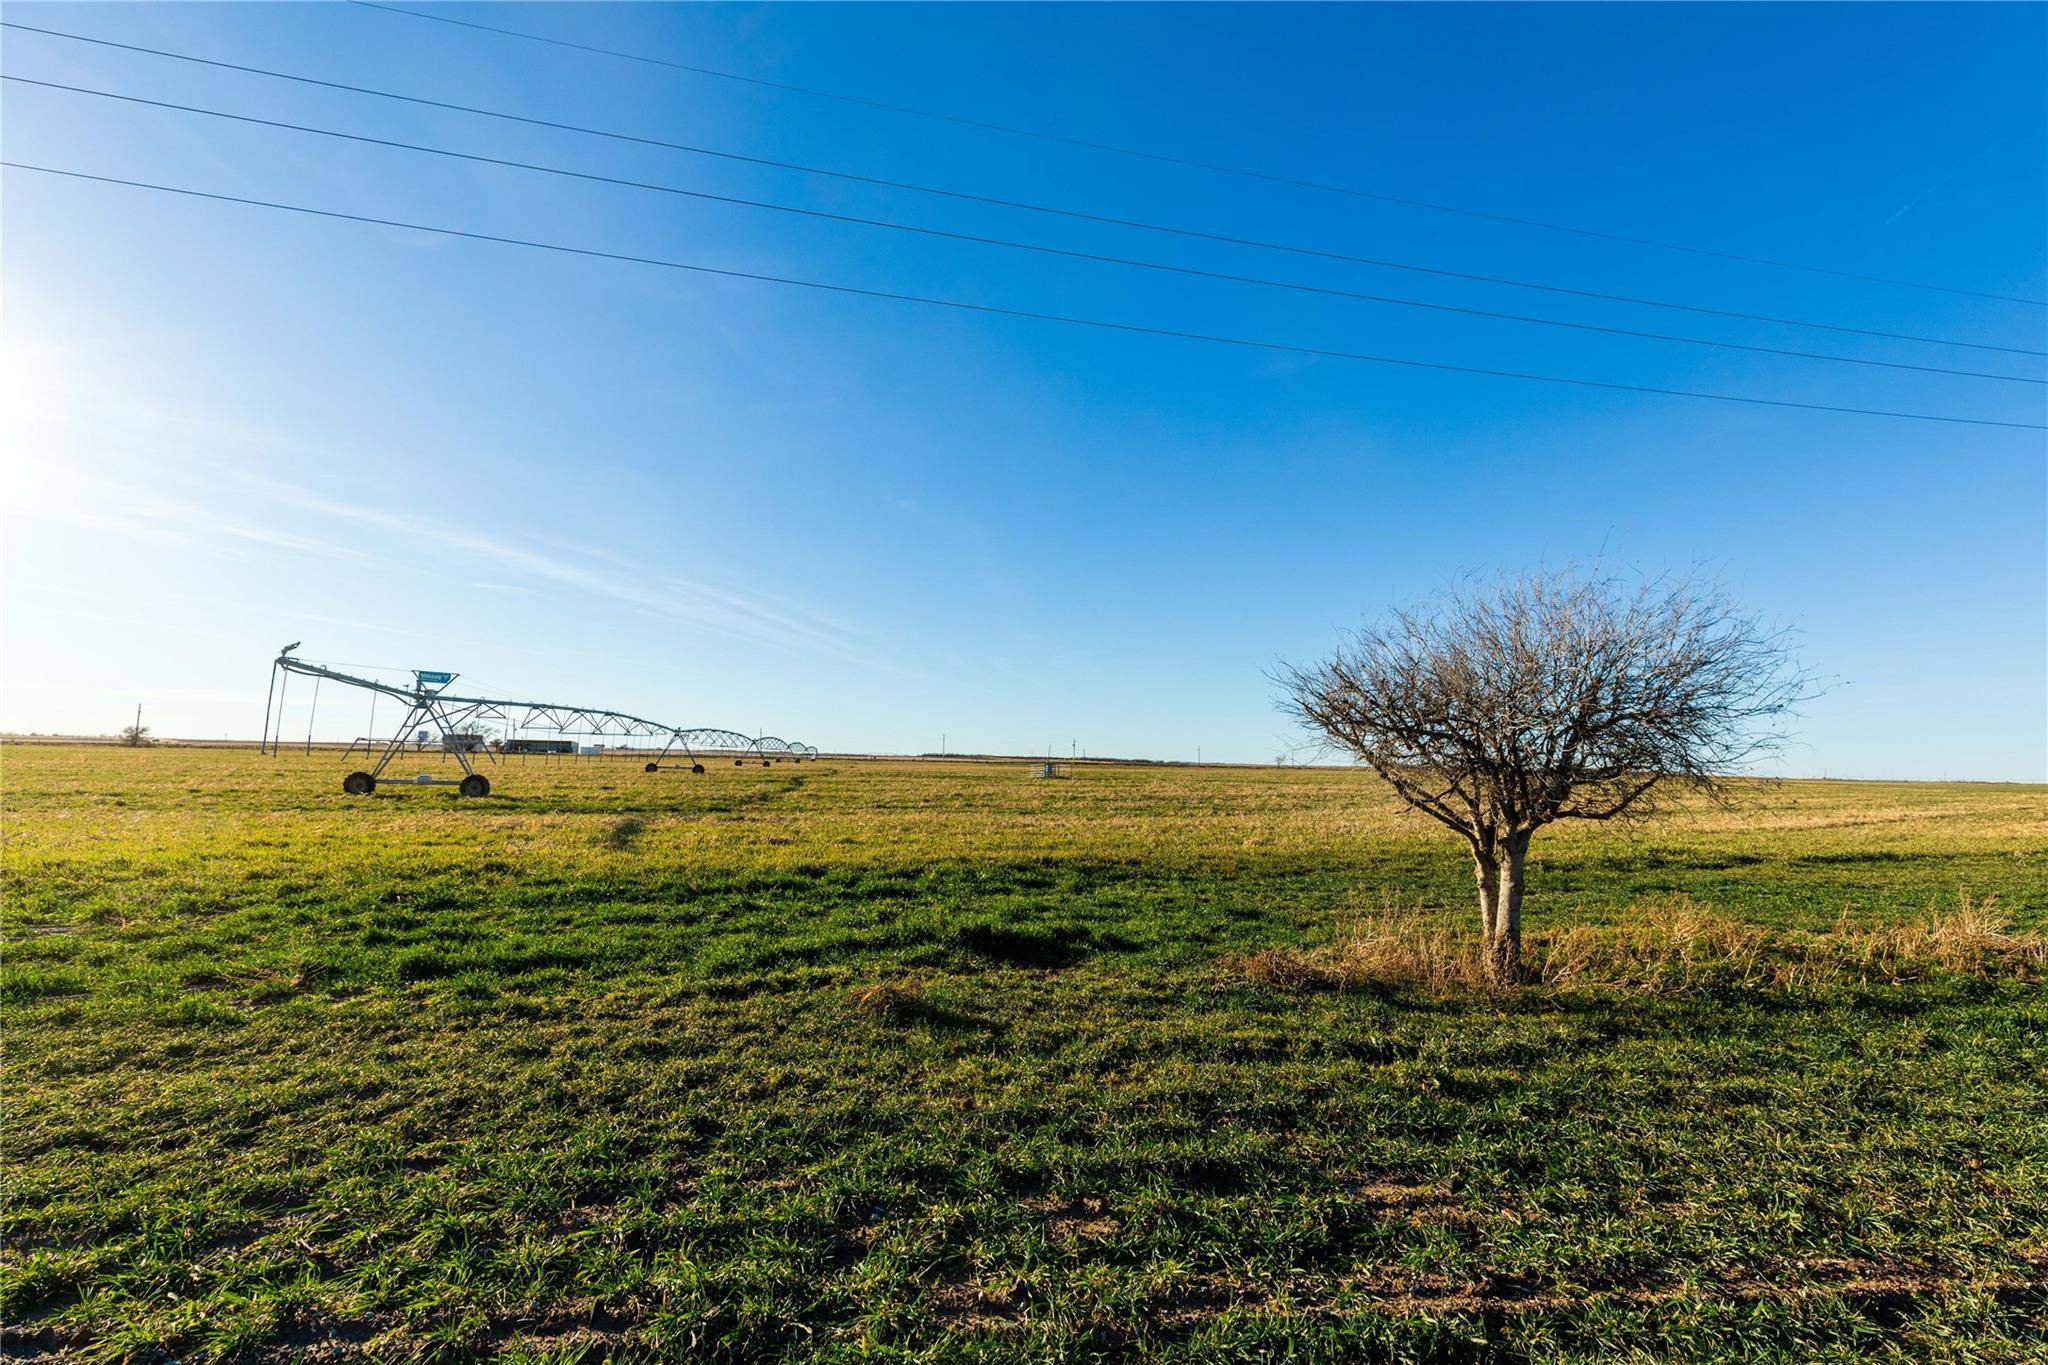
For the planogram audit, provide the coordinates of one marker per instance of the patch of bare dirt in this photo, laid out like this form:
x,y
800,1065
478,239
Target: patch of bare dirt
x,y
974,1306
1414,1203
1863,1282
1081,1219
39,1343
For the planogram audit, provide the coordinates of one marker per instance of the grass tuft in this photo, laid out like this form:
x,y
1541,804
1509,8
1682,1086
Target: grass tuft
x,y
903,1001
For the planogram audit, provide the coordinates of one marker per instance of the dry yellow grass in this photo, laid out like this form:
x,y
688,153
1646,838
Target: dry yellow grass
x,y
1669,944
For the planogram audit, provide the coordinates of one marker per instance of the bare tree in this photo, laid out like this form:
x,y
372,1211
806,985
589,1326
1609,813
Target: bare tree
x,y
135,736
1505,705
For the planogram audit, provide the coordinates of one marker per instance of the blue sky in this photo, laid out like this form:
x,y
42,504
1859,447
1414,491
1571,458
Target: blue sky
x,y
867,524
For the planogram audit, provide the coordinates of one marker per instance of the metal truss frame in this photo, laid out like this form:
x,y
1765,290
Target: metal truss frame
x,y
430,705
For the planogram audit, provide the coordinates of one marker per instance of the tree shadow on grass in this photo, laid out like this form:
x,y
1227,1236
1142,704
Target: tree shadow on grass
x,y
1049,947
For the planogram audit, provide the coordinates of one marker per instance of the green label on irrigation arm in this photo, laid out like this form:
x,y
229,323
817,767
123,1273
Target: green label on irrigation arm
x,y
425,677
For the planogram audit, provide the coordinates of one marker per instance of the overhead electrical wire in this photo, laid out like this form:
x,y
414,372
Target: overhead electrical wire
x,y
1022,205
1168,158
993,310
1015,245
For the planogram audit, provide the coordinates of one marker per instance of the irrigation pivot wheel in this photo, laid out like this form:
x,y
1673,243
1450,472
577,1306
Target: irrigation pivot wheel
x,y
696,767
476,784
359,784
654,767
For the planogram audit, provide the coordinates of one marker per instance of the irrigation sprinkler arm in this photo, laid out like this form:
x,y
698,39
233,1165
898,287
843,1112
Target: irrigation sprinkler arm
x,y
564,717
300,666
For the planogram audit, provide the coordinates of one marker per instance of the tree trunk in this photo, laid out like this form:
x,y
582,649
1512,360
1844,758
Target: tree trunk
x,y
1504,943
1486,871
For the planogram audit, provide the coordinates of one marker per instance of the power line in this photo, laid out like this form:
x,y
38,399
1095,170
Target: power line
x,y
1195,164
995,311
1079,215
1015,245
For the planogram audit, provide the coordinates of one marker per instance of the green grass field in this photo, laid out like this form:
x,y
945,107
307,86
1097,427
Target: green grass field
x,y
892,1061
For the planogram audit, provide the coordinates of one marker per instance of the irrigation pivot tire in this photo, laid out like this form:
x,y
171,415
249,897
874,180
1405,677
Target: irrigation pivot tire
x,y
654,767
476,784
696,767
359,784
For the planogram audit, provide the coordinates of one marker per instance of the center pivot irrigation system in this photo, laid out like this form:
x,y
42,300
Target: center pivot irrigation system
x,y
430,709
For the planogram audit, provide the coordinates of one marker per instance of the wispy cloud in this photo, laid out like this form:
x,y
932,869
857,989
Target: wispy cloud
x,y
126,509
753,617
212,496
270,514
